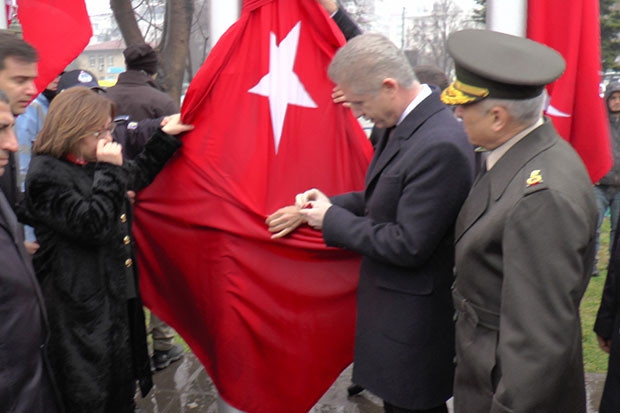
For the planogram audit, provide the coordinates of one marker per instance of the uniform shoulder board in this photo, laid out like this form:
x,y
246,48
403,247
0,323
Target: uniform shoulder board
x,y
534,180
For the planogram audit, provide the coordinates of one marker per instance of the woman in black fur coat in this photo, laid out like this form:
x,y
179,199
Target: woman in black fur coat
x,y
76,199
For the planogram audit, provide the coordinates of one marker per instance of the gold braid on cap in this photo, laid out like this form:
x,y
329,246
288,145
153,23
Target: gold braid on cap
x,y
459,93
479,92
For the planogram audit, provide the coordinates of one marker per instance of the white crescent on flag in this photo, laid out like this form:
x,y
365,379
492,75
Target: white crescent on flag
x,y
551,111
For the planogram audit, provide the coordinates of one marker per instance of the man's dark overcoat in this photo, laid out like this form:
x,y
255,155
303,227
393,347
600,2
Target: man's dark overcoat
x,y
25,382
402,224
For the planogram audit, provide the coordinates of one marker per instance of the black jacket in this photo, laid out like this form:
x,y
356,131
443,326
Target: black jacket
x,y
137,95
86,267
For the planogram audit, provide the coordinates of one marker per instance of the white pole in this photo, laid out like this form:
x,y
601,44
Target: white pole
x,y
3,17
223,15
507,16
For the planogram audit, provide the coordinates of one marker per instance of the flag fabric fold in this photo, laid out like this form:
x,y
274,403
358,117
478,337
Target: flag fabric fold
x,y
271,320
577,110
58,29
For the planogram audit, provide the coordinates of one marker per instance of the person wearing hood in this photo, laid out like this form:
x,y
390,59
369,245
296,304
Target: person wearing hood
x,y
607,189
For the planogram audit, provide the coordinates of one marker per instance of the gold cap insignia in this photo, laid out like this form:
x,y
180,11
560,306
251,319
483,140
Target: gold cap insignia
x,y
459,93
534,179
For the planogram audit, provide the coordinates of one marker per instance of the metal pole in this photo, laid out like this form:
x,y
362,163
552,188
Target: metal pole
x,y
402,36
223,15
3,16
507,16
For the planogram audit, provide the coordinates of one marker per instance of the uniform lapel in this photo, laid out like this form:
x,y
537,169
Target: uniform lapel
x,y
475,205
490,187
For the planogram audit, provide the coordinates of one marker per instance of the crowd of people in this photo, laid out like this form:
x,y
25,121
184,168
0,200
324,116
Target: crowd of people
x,y
478,230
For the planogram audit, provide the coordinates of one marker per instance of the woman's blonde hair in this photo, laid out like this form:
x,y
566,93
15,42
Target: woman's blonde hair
x,y
72,116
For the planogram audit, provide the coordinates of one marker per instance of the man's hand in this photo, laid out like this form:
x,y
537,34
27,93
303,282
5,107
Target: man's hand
x,y
314,213
330,5
132,197
338,96
284,221
31,247
303,200
604,343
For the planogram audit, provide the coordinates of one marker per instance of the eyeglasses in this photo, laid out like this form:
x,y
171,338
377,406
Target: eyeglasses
x,y
101,133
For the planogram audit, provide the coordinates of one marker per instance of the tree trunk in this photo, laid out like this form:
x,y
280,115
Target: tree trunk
x,y
126,21
174,46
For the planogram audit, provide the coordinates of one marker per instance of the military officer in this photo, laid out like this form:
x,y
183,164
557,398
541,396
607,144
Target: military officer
x,y
525,237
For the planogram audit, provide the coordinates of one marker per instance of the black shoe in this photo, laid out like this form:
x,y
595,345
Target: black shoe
x,y
162,359
354,389
595,273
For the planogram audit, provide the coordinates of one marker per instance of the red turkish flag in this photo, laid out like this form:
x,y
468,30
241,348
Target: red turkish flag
x,y
577,110
58,29
271,320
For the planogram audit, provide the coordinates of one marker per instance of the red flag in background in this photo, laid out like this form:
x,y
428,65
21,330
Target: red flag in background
x,y
9,9
577,110
58,29
271,320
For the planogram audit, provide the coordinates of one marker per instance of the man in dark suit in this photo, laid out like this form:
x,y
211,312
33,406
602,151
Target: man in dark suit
x,y
402,224
525,237
25,383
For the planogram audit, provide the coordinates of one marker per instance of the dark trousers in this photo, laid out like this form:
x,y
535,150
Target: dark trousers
x,y
393,409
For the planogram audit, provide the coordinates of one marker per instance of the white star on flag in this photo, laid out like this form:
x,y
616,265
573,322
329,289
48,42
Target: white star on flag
x,y
281,85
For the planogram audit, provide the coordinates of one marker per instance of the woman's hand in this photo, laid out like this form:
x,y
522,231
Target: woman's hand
x,y
172,125
284,221
110,152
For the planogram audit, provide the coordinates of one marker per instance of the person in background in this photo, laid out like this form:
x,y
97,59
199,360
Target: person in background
x,y
135,93
76,200
26,381
525,237
402,225
607,325
607,329
18,69
138,97
431,75
607,189
27,126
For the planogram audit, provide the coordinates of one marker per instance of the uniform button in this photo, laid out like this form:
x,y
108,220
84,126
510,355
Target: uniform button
x,y
126,240
123,218
128,262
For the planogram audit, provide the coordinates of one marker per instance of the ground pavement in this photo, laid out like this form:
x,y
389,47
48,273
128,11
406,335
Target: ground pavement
x,y
184,387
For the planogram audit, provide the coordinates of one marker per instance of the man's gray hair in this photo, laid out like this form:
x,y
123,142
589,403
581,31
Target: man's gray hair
x,y
4,98
524,111
366,60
